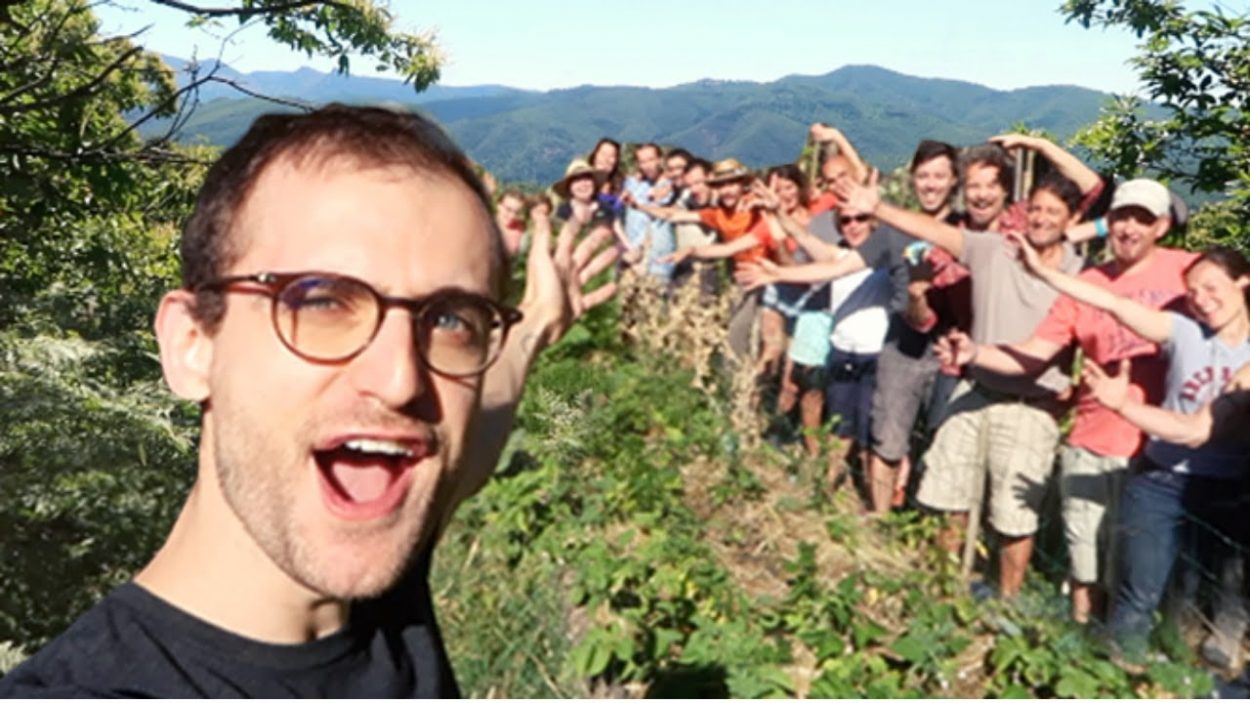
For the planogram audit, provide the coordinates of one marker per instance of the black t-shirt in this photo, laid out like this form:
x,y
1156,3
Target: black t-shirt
x,y
884,250
134,644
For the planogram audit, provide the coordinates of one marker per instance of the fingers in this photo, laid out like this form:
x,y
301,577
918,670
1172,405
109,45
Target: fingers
x,y
1092,373
1125,368
748,279
598,238
541,244
599,295
746,272
597,265
1011,140
564,243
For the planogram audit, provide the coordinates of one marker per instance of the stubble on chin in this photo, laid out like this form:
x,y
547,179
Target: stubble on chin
x,y
262,484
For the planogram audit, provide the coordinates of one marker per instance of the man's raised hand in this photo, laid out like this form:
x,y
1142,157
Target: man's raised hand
x,y
860,198
557,278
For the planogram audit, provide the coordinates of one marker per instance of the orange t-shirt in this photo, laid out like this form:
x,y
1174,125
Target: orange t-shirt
x,y
824,202
732,224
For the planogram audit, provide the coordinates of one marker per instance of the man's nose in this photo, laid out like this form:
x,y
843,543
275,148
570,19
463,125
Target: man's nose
x,y
390,369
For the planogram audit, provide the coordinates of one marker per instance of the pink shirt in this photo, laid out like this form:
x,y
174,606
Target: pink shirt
x,y
1158,284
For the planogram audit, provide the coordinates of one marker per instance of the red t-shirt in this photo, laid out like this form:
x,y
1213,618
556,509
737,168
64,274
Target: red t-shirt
x,y
732,224
1158,284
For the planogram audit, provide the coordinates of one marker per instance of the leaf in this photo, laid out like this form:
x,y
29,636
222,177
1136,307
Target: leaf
x,y
1074,683
913,648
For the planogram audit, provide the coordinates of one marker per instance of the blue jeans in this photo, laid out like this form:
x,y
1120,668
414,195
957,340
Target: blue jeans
x,y
1157,506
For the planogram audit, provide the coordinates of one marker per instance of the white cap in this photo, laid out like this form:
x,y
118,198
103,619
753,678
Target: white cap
x,y
1144,193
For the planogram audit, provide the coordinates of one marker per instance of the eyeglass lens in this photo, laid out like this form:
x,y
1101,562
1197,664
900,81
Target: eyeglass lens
x,y
330,318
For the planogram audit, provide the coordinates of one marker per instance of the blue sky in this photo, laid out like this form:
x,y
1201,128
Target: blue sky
x,y
544,44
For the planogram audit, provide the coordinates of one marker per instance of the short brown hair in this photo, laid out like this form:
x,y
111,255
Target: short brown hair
x,y
991,155
369,136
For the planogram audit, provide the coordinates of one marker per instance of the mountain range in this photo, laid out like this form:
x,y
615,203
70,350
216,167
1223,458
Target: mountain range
x,y
530,136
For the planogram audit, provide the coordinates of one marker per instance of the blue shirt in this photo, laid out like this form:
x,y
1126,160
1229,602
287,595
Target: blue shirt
x,y
640,227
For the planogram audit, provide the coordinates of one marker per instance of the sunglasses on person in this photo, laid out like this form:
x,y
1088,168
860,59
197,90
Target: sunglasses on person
x,y
328,318
848,219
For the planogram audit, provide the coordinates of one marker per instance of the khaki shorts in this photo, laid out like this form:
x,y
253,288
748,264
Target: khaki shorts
x,y
1012,440
1090,485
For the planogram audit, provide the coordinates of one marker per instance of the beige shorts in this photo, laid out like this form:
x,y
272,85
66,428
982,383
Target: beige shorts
x,y
1012,440
1090,485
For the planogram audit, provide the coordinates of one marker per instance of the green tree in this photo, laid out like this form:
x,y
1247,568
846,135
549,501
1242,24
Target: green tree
x,y
1195,69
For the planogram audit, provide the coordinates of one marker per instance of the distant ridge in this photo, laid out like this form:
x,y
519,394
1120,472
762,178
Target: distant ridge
x,y
529,136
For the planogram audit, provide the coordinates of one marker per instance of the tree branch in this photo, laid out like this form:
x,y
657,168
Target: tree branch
x,y
246,12
80,91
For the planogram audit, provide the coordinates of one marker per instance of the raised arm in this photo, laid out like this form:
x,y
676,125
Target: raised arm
x,y
718,250
671,214
780,236
761,273
557,292
1150,324
824,134
917,224
816,248
1064,162
1026,358
1220,417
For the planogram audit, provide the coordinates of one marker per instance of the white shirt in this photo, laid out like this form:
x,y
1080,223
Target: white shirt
x,y
860,316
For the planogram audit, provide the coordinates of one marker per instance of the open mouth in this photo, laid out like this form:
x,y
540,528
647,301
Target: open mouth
x,y
364,478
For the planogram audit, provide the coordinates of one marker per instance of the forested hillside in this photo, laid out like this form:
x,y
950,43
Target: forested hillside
x,y
529,137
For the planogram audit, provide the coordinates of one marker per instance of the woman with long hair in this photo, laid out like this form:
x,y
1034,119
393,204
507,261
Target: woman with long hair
x,y
782,302
606,159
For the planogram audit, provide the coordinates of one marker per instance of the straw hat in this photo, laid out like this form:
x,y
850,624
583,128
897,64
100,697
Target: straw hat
x,y
727,170
577,168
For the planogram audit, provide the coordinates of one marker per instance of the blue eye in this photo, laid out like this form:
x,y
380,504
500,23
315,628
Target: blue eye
x,y
464,321
446,320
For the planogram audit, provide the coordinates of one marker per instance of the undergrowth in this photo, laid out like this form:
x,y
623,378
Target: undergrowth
x,y
608,558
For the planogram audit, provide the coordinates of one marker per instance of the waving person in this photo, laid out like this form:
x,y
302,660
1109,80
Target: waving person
x,y
1100,445
742,235
1176,484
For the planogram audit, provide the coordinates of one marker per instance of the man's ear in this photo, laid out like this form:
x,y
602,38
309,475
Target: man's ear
x,y
186,348
1162,226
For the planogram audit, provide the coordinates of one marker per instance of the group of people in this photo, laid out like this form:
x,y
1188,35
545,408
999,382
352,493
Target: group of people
x,y
976,324
342,325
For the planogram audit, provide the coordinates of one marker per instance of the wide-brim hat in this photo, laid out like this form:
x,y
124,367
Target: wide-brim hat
x,y
577,168
727,170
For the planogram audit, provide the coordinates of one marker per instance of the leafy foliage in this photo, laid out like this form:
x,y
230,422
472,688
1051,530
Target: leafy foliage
x,y
1195,66
92,476
582,569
